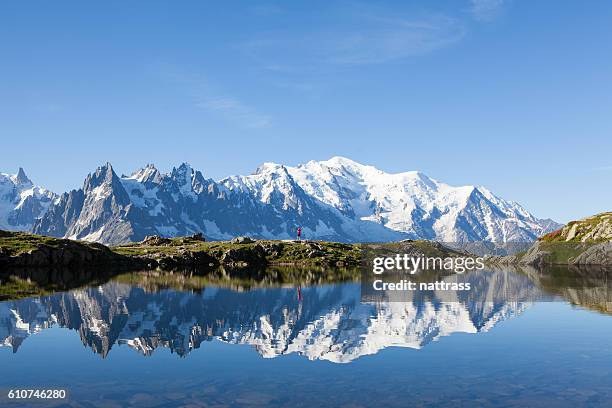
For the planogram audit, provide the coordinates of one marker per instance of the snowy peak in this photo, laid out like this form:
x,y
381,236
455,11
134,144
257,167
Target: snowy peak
x,y
343,165
100,211
415,204
147,174
21,179
270,184
105,184
103,175
361,190
21,202
188,182
182,173
270,168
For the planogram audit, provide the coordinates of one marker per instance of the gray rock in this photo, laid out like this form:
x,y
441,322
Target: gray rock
x,y
155,240
534,256
598,254
198,237
245,256
242,240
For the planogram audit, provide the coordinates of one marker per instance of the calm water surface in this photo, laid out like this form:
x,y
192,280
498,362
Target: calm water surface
x,y
136,342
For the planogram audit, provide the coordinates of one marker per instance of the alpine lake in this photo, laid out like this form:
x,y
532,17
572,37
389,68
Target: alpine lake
x,y
521,337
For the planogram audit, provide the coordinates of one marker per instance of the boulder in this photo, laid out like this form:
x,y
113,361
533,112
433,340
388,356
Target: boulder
x,y
599,254
155,240
535,256
242,240
198,236
273,249
246,256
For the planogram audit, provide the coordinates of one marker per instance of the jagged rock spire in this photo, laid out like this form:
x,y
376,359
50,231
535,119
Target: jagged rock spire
x,y
102,174
149,173
21,177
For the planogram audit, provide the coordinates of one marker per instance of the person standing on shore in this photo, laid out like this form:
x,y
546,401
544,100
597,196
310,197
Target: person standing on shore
x,y
299,233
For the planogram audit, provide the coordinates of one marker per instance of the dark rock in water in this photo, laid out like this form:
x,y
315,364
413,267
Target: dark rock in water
x,y
242,240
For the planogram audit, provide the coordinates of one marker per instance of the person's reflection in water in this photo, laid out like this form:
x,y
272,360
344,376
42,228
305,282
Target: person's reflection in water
x,y
299,297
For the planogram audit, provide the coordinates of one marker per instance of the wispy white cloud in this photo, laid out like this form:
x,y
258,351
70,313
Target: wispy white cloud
x,y
204,97
389,39
486,10
370,38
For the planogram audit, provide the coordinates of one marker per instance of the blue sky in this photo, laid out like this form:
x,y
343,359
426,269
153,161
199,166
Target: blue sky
x,y
512,95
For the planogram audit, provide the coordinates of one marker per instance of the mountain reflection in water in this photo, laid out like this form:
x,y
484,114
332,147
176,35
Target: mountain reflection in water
x,y
328,322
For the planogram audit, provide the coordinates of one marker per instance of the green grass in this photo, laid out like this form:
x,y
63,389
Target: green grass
x,y
561,252
176,246
15,243
284,252
332,252
422,247
287,252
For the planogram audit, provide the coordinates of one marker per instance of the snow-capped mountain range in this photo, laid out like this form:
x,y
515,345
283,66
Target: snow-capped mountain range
x,y
21,202
337,199
329,322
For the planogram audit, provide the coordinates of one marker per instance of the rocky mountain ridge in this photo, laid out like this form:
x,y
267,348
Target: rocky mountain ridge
x,y
22,202
335,200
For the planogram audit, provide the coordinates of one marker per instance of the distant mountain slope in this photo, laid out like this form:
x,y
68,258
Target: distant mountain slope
x,y
337,199
21,202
